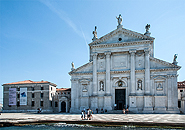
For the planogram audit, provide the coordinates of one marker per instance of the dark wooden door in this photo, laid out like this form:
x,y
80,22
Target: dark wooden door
x,y
120,98
63,106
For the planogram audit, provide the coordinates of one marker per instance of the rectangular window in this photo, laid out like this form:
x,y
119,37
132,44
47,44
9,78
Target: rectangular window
x,y
32,103
56,104
33,95
33,89
41,95
41,103
51,88
68,92
18,104
181,90
179,104
18,89
41,88
18,95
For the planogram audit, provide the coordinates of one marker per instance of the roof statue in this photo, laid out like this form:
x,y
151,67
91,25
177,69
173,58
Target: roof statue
x,y
119,21
147,27
175,59
73,66
95,34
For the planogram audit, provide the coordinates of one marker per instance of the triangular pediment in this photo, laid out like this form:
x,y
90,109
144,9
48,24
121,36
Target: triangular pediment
x,y
160,64
86,68
121,35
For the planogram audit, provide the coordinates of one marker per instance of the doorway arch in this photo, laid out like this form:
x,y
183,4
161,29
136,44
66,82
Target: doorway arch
x,y
63,106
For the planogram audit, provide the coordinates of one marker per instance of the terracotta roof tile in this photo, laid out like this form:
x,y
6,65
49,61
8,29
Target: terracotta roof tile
x,y
181,84
29,82
63,89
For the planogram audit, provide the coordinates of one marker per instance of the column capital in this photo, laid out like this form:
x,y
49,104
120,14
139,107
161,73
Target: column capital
x,y
132,51
94,54
107,53
147,50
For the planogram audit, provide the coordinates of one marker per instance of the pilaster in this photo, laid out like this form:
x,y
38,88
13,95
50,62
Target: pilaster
x,y
74,97
169,92
95,74
132,71
107,73
147,71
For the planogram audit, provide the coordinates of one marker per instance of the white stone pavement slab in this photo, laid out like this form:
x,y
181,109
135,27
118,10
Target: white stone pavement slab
x,y
143,118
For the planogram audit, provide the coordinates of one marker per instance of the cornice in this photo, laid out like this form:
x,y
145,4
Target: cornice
x,y
122,44
116,72
176,67
75,70
81,73
165,69
123,31
103,72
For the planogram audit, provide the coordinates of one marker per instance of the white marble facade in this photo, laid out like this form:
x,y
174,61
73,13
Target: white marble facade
x,y
122,70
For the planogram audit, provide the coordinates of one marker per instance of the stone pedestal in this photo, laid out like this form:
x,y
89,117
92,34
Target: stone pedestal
x,y
94,103
148,104
119,26
160,104
107,102
84,103
132,103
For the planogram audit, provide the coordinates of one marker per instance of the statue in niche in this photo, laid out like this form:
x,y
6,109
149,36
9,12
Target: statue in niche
x,y
119,19
159,87
101,86
139,85
120,83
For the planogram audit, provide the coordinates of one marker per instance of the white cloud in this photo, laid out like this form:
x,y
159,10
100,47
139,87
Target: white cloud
x,y
53,7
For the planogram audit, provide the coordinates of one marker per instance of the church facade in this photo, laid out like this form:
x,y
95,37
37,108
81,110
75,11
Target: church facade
x,y
122,71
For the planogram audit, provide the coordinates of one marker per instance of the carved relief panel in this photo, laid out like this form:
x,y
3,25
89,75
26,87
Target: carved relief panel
x,y
119,61
139,60
101,62
159,85
84,86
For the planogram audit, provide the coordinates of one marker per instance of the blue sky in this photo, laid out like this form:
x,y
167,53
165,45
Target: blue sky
x,y
40,38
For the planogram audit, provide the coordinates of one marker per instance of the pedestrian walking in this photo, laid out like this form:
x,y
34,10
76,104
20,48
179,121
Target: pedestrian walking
x,y
96,110
88,114
82,114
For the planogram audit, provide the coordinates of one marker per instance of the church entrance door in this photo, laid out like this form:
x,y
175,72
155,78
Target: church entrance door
x,y
120,98
63,106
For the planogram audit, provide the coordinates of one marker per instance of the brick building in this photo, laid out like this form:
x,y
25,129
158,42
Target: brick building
x,y
27,96
62,100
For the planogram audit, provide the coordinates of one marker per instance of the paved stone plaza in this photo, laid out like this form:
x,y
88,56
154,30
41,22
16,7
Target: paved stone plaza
x,y
118,119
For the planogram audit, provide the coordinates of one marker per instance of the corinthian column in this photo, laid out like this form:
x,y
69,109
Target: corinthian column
x,y
147,71
107,89
132,71
95,74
